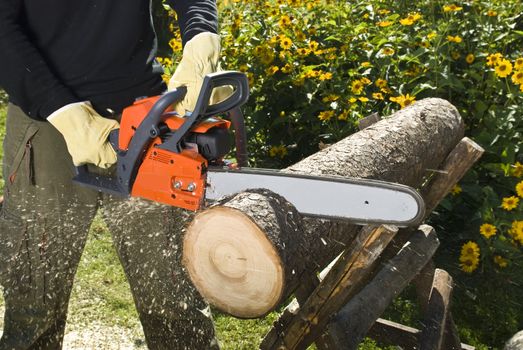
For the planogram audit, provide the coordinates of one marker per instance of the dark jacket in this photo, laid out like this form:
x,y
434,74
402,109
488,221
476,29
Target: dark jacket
x,y
56,52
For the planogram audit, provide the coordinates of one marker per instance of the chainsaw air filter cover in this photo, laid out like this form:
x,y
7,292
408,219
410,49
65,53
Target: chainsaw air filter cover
x,y
213,144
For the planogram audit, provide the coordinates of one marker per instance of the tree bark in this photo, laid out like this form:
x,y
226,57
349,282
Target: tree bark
x,y
404,148
356,318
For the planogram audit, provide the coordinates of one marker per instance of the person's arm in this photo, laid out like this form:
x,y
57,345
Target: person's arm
x,y
24,73
195,17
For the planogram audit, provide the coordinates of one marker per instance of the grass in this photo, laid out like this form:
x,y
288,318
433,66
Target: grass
x,y
101,294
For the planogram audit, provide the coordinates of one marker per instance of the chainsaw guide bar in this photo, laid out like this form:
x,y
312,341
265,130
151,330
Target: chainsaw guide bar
x,y
361,201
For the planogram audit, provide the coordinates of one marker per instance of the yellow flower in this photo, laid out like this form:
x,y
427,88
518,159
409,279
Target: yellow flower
x,y
357,87
285,43
503,68
487,230
517,77
303,51
455,55
278,151
250,78
410,19
166,61
284,21
175,45
469,257
519,189
272,70
386,90
452,8
518,63
510,203
517,169
492,13
274,12
470,58
469,265
493,59
378,96
300,35
313,45
312,74
365,64
387,51
516,231
470,249
383,11
344,115
325,76
431,35
330,98
363,99
454,39
326,115
500,261
286,69
365,81
384,23
456,190
381,83
403,100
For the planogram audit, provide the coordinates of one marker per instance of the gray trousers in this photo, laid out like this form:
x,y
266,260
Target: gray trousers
x,y
44,223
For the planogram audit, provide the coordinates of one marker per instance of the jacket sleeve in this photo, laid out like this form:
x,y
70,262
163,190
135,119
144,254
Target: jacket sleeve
x,y
24,74
195,16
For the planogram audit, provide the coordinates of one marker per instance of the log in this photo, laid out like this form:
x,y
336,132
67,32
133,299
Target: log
x,y
246,274
401,148
438,310
356,318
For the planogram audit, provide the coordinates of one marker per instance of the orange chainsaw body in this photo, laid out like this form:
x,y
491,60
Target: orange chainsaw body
x,y
172,178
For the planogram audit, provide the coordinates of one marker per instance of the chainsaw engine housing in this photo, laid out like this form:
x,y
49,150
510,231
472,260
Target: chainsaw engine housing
x,y
174,178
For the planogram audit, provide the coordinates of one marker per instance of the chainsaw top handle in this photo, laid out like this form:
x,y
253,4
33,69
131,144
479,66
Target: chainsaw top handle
x,y
237,80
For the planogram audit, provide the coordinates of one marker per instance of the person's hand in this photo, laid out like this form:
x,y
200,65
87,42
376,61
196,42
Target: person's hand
x,y
86,134
201,56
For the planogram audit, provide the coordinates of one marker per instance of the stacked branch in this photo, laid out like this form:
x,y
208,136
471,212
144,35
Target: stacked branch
x,y
247,254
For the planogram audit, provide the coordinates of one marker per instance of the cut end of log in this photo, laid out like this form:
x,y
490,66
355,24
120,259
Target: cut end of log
x,y
232,263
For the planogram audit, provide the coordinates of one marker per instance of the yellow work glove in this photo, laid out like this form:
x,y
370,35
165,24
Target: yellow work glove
x,y
200,56
85,133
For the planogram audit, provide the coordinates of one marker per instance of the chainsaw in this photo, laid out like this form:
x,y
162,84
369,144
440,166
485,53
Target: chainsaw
x,y
179,161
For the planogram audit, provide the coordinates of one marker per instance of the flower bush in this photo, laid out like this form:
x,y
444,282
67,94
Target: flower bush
x,y
317,67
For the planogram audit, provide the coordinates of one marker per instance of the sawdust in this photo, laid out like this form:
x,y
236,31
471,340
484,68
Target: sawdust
x,y
96,336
